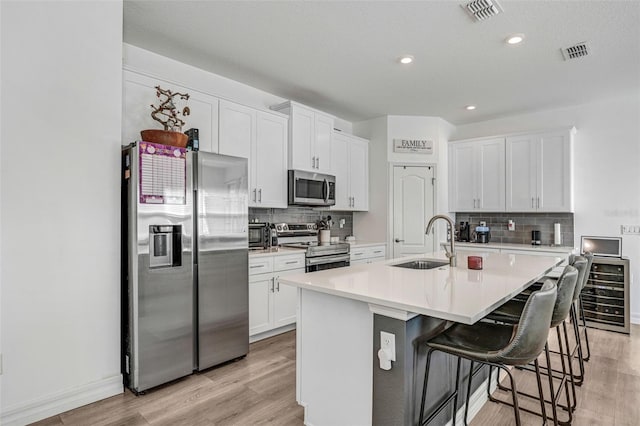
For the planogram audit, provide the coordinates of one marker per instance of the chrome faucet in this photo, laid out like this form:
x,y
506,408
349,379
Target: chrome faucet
x,y
451,255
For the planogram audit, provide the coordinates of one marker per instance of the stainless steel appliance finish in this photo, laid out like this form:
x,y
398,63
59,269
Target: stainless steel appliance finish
x,y
222,261
311,189
318,256
605,297
259,235
185,267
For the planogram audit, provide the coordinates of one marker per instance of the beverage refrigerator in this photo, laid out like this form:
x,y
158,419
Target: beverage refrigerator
x,y
184,262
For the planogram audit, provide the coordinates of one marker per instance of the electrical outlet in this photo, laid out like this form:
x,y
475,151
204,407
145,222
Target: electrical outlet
x,y
388,344
630,229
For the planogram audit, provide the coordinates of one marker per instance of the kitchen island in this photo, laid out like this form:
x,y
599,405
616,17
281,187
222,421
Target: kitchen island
x,y
341,313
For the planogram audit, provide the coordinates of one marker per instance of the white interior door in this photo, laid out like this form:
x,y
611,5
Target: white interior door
x,y
413,189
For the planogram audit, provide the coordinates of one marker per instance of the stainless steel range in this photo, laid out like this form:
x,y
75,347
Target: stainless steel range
x,y
318,256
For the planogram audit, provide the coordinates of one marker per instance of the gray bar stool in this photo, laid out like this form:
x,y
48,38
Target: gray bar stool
x,y
583,264
497,345
511,312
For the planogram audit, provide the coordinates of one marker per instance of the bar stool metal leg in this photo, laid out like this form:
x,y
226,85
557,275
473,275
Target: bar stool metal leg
x,y
454,395
584,326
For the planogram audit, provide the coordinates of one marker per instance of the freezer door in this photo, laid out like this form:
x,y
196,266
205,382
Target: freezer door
x,y
161,336
222,259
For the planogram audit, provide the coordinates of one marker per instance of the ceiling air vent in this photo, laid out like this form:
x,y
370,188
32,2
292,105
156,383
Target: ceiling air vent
x,y
576,51
482,9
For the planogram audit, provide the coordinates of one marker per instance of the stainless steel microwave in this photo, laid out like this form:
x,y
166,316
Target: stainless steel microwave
x,y
311,189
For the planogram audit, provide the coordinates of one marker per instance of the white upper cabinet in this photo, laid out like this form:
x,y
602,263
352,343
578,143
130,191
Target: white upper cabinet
x,y
262,138
539,172
270,153
237,129
477,175
310,134
139,93
350,165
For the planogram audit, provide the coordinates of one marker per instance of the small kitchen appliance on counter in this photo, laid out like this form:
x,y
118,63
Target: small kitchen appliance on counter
x,y
482,235
535,238
259,235
464,232
318,255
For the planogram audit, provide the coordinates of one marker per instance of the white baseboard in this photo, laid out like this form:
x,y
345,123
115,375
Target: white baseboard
x,y
634,318
62,401
272,333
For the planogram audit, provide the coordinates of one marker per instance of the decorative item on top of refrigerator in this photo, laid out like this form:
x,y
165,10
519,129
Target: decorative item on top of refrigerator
x,y
185,240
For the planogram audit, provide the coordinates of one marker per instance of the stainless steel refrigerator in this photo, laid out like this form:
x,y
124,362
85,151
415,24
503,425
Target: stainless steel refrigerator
x,y
184,262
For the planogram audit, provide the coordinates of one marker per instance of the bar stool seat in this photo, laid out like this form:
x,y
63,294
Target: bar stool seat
x,y
498,345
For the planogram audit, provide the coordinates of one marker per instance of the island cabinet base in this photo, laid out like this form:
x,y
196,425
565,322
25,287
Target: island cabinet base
x,y
339,380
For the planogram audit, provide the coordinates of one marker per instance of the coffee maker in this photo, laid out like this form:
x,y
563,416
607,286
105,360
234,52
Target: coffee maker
x,y
464,232
482,235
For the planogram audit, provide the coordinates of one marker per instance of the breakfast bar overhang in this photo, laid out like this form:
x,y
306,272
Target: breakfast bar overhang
x,y
341,313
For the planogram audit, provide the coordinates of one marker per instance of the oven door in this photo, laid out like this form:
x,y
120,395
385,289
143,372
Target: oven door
x,y
321,263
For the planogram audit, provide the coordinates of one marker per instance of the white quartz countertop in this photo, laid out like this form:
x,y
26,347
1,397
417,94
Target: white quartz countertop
x,y
456,294
276,251
512,246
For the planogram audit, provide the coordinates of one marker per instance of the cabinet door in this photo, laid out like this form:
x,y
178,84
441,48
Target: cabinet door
x,y
139,92
340,168
269,158
554,173
462,194
521,179
260,300
285,302
302,124
359,174
322,142
491,175
236,130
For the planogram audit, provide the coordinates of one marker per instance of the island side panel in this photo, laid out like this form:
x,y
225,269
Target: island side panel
x,y
397,392
333,359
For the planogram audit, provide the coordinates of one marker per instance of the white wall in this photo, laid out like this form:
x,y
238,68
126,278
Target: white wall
x,y
606,171
60,218
374,225
144,61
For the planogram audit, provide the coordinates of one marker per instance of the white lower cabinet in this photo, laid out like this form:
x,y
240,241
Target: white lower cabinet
x,y
367,254
272,305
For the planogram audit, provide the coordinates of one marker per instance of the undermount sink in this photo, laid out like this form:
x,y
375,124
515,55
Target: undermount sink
x,y
422,264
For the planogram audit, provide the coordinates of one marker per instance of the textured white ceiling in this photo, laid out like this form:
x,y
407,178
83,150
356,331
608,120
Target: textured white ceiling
x,y
341,56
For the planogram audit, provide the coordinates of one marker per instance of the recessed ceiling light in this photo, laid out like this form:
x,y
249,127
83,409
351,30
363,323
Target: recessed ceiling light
x,y
470,107
406,59
515,39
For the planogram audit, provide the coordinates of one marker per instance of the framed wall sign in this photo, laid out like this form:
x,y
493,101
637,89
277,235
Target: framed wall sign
x,y
413,146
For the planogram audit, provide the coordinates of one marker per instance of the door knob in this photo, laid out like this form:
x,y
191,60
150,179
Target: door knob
x,y
399,241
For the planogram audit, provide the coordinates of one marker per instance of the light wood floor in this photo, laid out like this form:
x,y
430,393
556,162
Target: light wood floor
x,y
260,389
